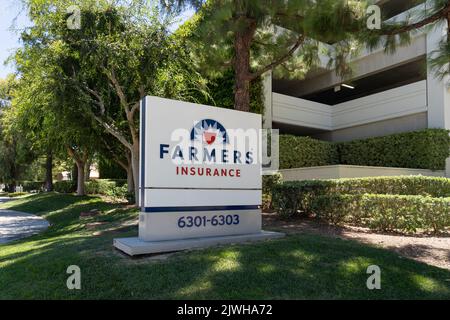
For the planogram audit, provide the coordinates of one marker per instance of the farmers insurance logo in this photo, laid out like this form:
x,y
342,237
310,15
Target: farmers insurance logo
x,y
209,131
208,145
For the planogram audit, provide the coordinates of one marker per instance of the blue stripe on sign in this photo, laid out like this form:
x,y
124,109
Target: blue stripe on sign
x,y
142,151
200,208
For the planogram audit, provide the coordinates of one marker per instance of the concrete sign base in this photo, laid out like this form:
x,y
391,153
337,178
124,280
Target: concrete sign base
x,y
135,246
159,226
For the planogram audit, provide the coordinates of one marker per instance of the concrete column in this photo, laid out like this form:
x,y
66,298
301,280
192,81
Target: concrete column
x,y
267,88
438,91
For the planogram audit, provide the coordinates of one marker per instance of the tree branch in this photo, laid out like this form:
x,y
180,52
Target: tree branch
x,y
407,28
280,60
112,130
123,100
135,108
115,156
99,100
74,154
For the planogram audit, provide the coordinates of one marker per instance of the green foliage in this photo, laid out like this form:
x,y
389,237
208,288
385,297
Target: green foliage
x,y
425,149
114,188
268,184
298,152
401,185
398,32
212,33
103,186
65,186
270,181
16,151
221,93
406,214
29,186
111,170
295,267
404,203
439,60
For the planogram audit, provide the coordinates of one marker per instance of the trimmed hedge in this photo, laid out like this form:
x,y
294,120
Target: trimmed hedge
x,y
400,185
381,203
116,188
298,152
29,186
385,212
68,186
268,184
425,149
103,186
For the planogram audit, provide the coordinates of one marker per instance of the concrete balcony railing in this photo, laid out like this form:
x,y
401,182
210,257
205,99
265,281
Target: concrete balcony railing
x,y
417,39
390,104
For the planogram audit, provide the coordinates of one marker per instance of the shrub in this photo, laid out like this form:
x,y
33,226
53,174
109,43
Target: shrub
x,y
109,187
29,186
68,186
99,186
298,152
112,188
119,192
110,169
268,183
401,185
425,149
382,203
385,212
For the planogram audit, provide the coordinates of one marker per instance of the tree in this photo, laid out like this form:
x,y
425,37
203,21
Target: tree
x,y
117,57
50,112
33,121
15,150
114,151
253,37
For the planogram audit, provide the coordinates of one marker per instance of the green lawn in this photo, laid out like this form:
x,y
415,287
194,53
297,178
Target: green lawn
x,y
296,267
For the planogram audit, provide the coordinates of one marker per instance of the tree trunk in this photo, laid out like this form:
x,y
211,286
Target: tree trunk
x,y
75,172
128,167
242,44
242,94
135,168
49,172
130,180
87,170
81,181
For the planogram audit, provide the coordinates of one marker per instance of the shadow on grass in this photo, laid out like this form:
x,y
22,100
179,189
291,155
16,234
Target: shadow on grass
x,y
44,202
297,267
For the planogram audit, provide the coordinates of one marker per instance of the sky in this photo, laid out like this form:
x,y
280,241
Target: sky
x,y
13,20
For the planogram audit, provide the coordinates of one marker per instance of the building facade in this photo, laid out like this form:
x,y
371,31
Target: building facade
x,y
389,93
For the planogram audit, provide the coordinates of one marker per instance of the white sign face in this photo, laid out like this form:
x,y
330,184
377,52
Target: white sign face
x,y
200,171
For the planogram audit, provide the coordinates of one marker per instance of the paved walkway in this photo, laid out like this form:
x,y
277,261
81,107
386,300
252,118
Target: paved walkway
x,y
15,225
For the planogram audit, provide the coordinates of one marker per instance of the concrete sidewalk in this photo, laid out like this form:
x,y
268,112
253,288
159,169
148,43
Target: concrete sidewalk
x,y
16,225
